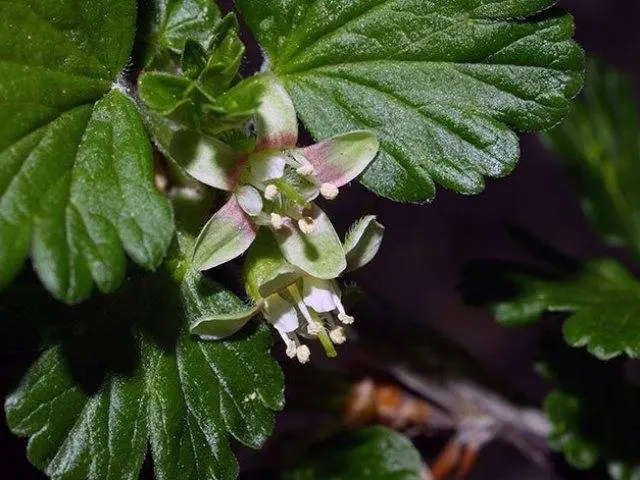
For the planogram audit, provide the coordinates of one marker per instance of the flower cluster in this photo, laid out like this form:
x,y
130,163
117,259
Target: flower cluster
x,y
274,186
294,255
297,304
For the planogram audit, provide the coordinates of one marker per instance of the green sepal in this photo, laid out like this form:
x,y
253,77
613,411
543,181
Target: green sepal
x,y
163,92
194,59
229,23
266,271
217,327
223,64
340,159
318,253
206,159
276,118
363,241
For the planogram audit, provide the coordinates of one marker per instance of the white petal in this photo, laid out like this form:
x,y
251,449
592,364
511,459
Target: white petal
x,y
267,166
281,314
249,199
318,294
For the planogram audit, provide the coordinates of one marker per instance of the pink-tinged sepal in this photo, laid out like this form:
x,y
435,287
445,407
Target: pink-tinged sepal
x,y
338,160
276,120
226,236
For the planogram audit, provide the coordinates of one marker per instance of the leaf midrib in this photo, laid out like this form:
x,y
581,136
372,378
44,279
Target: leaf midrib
x,y
308,70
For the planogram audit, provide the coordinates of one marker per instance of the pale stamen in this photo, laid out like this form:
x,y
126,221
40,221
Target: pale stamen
x,y
277,221
306,170
306,225
271,192
302,307
329,191
337,335
291,345
303,353
342,314
314,328
346,319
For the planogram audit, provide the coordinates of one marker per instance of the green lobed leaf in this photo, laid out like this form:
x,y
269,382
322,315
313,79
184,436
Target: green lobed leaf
x,y
441,83
125,373
593,410
600,145
563,411
170,23
603,303
76,176
371,453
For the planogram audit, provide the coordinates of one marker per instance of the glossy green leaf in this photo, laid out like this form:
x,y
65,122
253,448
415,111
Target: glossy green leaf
x,y
223,65
125,373
603,303
76,176
375,453
600,144
441,83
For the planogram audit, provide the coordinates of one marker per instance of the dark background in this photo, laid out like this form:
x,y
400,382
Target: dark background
x,y
425,247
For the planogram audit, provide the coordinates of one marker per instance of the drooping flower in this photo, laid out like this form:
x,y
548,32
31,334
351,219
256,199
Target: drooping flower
x,y
298,305
274,186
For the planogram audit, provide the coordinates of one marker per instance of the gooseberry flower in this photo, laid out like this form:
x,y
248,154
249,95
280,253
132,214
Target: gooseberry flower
x,y
298,305
274,186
